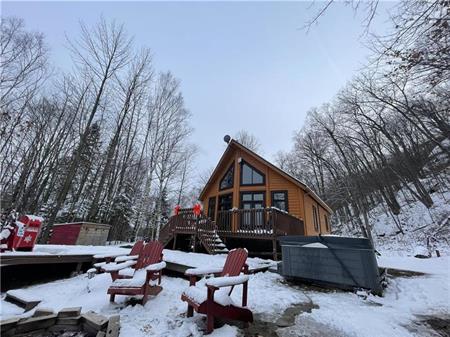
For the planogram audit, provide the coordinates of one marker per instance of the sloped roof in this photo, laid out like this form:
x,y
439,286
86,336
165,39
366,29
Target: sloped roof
x,y
233,144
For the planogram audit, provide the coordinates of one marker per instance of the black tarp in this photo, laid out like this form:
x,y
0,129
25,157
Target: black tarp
x,y
339,261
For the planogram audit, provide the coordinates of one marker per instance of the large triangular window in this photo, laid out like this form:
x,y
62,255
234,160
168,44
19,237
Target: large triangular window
x,y
227,180
250,175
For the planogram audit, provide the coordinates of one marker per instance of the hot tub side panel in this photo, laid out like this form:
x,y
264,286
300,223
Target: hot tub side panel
x,y
341,264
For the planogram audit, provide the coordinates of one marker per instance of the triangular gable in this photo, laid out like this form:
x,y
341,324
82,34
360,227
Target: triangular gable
x,y
260,159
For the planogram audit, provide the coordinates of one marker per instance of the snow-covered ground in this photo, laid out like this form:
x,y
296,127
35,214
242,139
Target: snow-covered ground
x,y
334,313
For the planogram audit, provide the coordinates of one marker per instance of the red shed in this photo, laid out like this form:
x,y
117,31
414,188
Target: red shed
x,y
79,233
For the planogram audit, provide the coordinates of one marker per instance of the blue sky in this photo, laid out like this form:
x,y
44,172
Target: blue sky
x,y
242,65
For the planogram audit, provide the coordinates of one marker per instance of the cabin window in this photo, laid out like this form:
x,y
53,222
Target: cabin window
x,y
251,200
316,219
250,175
226,202
212,208
327,224
227,180
280,200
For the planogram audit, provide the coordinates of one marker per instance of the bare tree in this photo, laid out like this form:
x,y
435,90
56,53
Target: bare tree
x,y
100,53
248,140
23,68
103,143
367,8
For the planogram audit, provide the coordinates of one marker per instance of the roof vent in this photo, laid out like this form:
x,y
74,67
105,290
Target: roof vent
x,y
227,139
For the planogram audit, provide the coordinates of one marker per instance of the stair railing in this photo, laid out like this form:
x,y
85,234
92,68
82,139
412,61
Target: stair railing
x,y
207,233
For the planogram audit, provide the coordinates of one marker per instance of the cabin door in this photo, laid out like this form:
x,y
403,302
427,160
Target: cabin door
x,y
224,218
252,216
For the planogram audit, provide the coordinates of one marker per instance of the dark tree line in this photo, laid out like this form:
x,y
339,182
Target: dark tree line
x,y
389,128
104,142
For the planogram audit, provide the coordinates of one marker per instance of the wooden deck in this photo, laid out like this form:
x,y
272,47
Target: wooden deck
x,y
27,259
263,224
253,224
18,270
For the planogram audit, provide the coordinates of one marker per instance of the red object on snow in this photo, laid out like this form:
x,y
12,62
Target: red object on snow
x,y
197,209
234,265
151,254
177,209
25,233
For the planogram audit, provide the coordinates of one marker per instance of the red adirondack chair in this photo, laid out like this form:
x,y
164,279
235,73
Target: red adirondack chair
x,y
133,255
215,301
141,280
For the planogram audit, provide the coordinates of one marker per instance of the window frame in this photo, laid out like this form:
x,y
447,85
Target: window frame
x,y
230,168
286,198
241,201
316,219
242,163
327,222
221,196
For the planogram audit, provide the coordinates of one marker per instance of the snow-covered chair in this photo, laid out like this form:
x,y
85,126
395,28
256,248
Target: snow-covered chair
x,y
215,300
145,278
119,259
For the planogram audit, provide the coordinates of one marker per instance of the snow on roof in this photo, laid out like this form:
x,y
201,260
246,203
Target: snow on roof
x,y
72,250
315,245
82,223
35,217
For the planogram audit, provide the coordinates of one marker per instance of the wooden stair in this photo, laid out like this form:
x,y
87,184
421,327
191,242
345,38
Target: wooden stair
x,y
209,238
167,232
203,229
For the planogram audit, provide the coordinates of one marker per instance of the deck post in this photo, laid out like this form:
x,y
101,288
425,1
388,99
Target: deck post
x,y
79,266
194,242
274,247
174,241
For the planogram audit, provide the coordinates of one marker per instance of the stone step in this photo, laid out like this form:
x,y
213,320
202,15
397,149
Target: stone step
x,y
69,312
95,320
35,323
113,328
22,299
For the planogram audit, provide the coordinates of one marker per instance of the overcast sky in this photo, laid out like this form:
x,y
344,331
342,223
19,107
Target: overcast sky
x,y
242,65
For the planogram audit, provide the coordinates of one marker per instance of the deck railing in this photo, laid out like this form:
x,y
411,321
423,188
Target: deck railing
x,y
258,223
264,223
184,222
207,232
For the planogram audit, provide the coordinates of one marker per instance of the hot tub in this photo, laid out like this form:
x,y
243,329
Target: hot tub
x,y
343,262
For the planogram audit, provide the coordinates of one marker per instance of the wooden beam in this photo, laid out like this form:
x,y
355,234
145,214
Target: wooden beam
x,y
23,259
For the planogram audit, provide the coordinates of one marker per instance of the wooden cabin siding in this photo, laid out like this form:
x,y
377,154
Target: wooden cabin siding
x,y
308,220
295,195
309,217
300,203
213,189
273,182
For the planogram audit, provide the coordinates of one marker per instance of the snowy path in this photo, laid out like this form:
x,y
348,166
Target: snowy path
x,y
337,313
